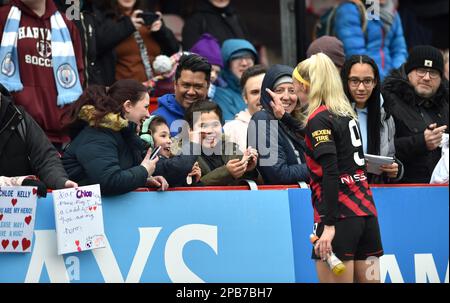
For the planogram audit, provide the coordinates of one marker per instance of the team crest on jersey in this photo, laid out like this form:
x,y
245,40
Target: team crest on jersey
x,y
66,76
44,48
8,67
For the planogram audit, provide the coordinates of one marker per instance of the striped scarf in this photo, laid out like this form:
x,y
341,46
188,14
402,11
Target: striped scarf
x,y
63,58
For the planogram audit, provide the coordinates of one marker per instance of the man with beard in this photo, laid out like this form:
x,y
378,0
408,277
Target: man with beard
x,y
417,97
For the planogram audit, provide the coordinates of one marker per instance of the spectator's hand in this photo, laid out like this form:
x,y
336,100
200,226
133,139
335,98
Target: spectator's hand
x,y
70,184
433,136
158,182
150,165
323,246
251,156
196,172
390,170
277,105
156,26
137,22
41,187
237,167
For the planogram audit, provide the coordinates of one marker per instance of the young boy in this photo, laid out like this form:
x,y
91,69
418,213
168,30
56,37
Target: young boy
x,y
155,132
221,162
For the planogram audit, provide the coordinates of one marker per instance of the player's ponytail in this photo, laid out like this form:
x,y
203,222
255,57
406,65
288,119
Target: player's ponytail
x,y
325,86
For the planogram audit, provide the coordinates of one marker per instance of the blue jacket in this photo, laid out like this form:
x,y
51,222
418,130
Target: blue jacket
x,y
388,50
170,110
107,157
229,97
286,146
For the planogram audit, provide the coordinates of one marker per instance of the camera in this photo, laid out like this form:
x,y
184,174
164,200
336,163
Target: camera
x,y
149,17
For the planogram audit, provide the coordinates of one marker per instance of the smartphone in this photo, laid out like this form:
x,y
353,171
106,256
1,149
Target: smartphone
x,y
155,153
149,17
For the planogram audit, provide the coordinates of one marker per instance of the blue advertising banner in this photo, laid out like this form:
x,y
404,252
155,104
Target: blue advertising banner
x,y
232,236
229,236
414,230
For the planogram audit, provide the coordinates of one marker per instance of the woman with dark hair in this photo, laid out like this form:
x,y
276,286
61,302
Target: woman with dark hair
x,y
108,150
135,54
362,85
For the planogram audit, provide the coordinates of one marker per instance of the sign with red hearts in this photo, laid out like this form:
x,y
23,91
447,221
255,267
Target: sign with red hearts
x,y
79,219
17,213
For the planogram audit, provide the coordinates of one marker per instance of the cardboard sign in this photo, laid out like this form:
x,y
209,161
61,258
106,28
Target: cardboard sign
x,y
17,217
79,219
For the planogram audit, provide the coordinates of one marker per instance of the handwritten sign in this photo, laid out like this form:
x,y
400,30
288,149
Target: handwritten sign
x,y
79,219
17,213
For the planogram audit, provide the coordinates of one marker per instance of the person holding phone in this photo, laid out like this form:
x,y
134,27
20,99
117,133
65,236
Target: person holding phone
x,y
107,150
136,54
362,86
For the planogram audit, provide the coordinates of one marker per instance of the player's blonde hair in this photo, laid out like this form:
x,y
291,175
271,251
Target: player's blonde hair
x,y
325,86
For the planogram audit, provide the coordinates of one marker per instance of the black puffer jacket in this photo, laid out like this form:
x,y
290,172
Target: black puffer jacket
x,y
107,157
222,23
24,147
412,114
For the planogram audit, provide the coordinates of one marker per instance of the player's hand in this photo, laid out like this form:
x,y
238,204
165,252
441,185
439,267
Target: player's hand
x,y
323,246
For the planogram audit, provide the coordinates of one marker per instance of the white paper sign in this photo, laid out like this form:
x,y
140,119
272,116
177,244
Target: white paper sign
x,y
17,214
79,219
374,162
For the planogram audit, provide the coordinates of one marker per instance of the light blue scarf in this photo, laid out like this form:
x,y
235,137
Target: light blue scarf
x,y
63,58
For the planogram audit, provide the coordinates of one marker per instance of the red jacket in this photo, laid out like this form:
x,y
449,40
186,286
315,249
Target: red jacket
x,y
36,72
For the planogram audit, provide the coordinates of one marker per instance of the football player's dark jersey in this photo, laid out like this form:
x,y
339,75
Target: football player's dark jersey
x,y
330,134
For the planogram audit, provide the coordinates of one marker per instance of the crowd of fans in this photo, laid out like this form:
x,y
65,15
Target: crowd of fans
x,y
75,97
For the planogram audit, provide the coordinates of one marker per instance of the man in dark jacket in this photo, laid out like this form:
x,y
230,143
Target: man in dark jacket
x,y
417,97
25,149
216,17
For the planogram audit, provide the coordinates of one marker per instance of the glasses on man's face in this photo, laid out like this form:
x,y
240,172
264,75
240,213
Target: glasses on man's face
x,y
422,72
356,82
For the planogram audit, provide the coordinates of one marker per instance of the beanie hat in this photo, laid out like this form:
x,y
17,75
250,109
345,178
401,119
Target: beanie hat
x,y
330,46
208,47
283,80
425,56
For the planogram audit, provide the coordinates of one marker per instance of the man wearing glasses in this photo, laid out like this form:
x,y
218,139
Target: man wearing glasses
x,y
417,97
